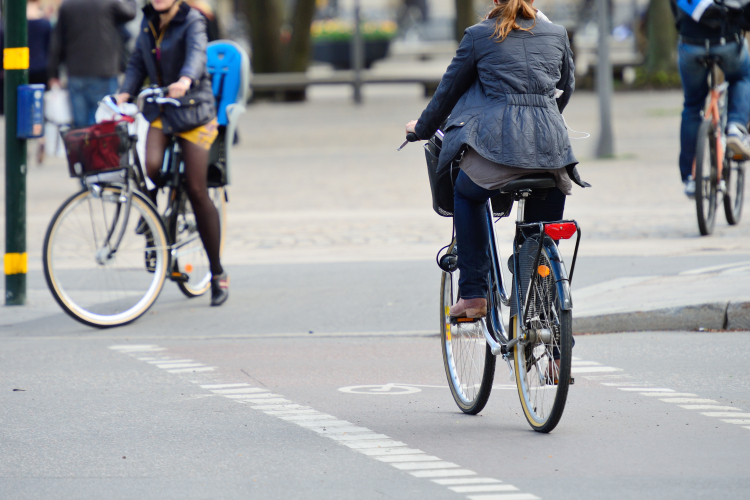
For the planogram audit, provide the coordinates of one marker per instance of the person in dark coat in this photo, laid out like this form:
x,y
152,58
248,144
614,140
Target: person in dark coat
x,y
503,96
171,52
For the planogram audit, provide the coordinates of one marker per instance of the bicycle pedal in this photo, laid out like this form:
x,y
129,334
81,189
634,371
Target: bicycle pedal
x,y
462,320
179,277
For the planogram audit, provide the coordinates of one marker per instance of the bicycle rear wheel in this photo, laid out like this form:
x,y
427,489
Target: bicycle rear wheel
x,y
188,255
734,196
705,178
94,279
469,363
542,361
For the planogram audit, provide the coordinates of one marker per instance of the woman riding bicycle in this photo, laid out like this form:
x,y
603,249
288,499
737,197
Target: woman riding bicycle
x,y
503,95
171,52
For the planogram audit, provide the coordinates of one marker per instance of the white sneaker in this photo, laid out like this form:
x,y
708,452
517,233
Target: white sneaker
x,y
737,139
690,187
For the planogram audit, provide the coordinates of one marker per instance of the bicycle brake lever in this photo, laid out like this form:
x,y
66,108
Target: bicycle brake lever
x,y
403,145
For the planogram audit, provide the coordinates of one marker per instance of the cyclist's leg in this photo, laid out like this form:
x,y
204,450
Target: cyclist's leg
x,y
735,63
695,87
206,215
472,237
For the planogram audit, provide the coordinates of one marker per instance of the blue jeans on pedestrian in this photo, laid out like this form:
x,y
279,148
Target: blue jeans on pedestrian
x,y
735,63
472,231
85,94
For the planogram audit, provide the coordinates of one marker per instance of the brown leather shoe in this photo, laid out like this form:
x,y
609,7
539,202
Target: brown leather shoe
x,y
469,308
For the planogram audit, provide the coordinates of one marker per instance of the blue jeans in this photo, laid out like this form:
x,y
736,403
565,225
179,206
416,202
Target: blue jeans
x,y
85,94
735,63
472,232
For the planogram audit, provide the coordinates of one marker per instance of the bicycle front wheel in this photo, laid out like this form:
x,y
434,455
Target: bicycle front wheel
x,y
705,178
543,360
734,178
188,255
101,267
469,363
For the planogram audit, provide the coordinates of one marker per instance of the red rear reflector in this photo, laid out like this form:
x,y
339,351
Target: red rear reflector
x,y
561,231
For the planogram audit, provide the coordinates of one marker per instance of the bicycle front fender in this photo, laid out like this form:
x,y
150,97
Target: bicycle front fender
x,y
560,273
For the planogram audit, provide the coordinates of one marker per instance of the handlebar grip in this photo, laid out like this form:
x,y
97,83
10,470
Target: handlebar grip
x,y
412,137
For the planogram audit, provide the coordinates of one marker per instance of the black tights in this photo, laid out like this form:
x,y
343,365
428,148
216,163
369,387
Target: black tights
x,y
196,175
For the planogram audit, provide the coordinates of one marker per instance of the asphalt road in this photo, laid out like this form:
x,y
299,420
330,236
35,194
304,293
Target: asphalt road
x,y
114,418
84,405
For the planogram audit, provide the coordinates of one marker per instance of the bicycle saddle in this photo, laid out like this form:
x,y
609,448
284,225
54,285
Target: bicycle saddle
x,y
709,59
533,181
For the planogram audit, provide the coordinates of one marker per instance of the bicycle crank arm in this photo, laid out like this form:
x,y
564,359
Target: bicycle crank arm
x,y
495,348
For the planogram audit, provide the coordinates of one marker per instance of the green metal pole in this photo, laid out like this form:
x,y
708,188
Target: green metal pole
x,y
16,66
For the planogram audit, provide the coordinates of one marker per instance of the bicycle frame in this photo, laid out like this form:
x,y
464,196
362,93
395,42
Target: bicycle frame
x,y
504,345
716,111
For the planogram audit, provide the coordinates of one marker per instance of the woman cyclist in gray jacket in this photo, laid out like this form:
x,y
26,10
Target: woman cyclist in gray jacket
x,y
503,95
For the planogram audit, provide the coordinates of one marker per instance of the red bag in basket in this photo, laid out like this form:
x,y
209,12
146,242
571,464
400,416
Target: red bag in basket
x,y
98,148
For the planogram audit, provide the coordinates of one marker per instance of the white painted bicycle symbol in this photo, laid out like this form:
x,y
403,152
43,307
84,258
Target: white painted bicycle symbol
x,y
387,389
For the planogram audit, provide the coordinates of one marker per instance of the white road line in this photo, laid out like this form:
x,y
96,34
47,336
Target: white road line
x,y
221,386
425,465
407,458
325,423
688,400
669,394
137,348
483,488
725,414
620,384
358,437
158,361
186,370
710,407
384,452
511,496
586,363
360,445
278,401
361,439
319,416
443,473
290,412
466,480
349,431
245,390
738,422
594,369
164,366
645,389
280,407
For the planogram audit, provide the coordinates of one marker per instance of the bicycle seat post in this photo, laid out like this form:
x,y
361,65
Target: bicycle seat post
x,y
521,197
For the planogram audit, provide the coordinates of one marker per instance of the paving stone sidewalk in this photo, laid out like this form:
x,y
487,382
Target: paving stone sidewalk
x,y
321,181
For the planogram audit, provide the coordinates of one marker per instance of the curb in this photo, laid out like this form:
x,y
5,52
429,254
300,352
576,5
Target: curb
x,y
711,316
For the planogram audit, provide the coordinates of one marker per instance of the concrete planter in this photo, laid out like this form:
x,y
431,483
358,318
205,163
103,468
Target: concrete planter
x,y
338,53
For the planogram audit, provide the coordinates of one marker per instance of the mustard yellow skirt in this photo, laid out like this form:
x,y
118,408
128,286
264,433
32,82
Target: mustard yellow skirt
x,y
203,136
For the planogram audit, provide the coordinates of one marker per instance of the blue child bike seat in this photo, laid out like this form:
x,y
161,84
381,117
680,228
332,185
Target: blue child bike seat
x,y
228,66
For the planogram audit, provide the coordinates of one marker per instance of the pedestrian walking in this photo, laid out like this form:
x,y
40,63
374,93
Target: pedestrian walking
x,y
87,41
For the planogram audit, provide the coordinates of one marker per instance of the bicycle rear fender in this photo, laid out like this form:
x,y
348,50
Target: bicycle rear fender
x,y
560,273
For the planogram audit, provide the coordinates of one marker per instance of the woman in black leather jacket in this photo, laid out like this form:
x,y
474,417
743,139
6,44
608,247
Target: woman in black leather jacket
x,y
171,52
503,96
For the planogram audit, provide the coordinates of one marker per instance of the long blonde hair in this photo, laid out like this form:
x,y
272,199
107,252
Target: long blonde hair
x,y
505,17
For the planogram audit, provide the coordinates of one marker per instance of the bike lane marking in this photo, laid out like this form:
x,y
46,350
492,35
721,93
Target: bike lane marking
x,y
367,442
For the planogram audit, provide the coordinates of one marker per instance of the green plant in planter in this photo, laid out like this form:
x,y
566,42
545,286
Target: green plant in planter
x,y
338,30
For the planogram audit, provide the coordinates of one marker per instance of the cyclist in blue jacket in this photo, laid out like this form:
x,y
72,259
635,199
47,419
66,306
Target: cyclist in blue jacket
x,y
713,28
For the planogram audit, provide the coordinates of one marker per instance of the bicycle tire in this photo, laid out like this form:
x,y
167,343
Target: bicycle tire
x,y
542,397
104,288
734,196
469,363
705,178
196,267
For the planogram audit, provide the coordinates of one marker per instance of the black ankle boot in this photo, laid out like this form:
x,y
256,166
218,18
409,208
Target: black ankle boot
x,y
219,289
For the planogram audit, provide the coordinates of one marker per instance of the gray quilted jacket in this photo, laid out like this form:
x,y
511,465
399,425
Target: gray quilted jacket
x,y
501,98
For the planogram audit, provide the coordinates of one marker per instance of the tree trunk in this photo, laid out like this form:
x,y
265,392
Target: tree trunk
x,y
465,17
298,50
265,32
662,38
